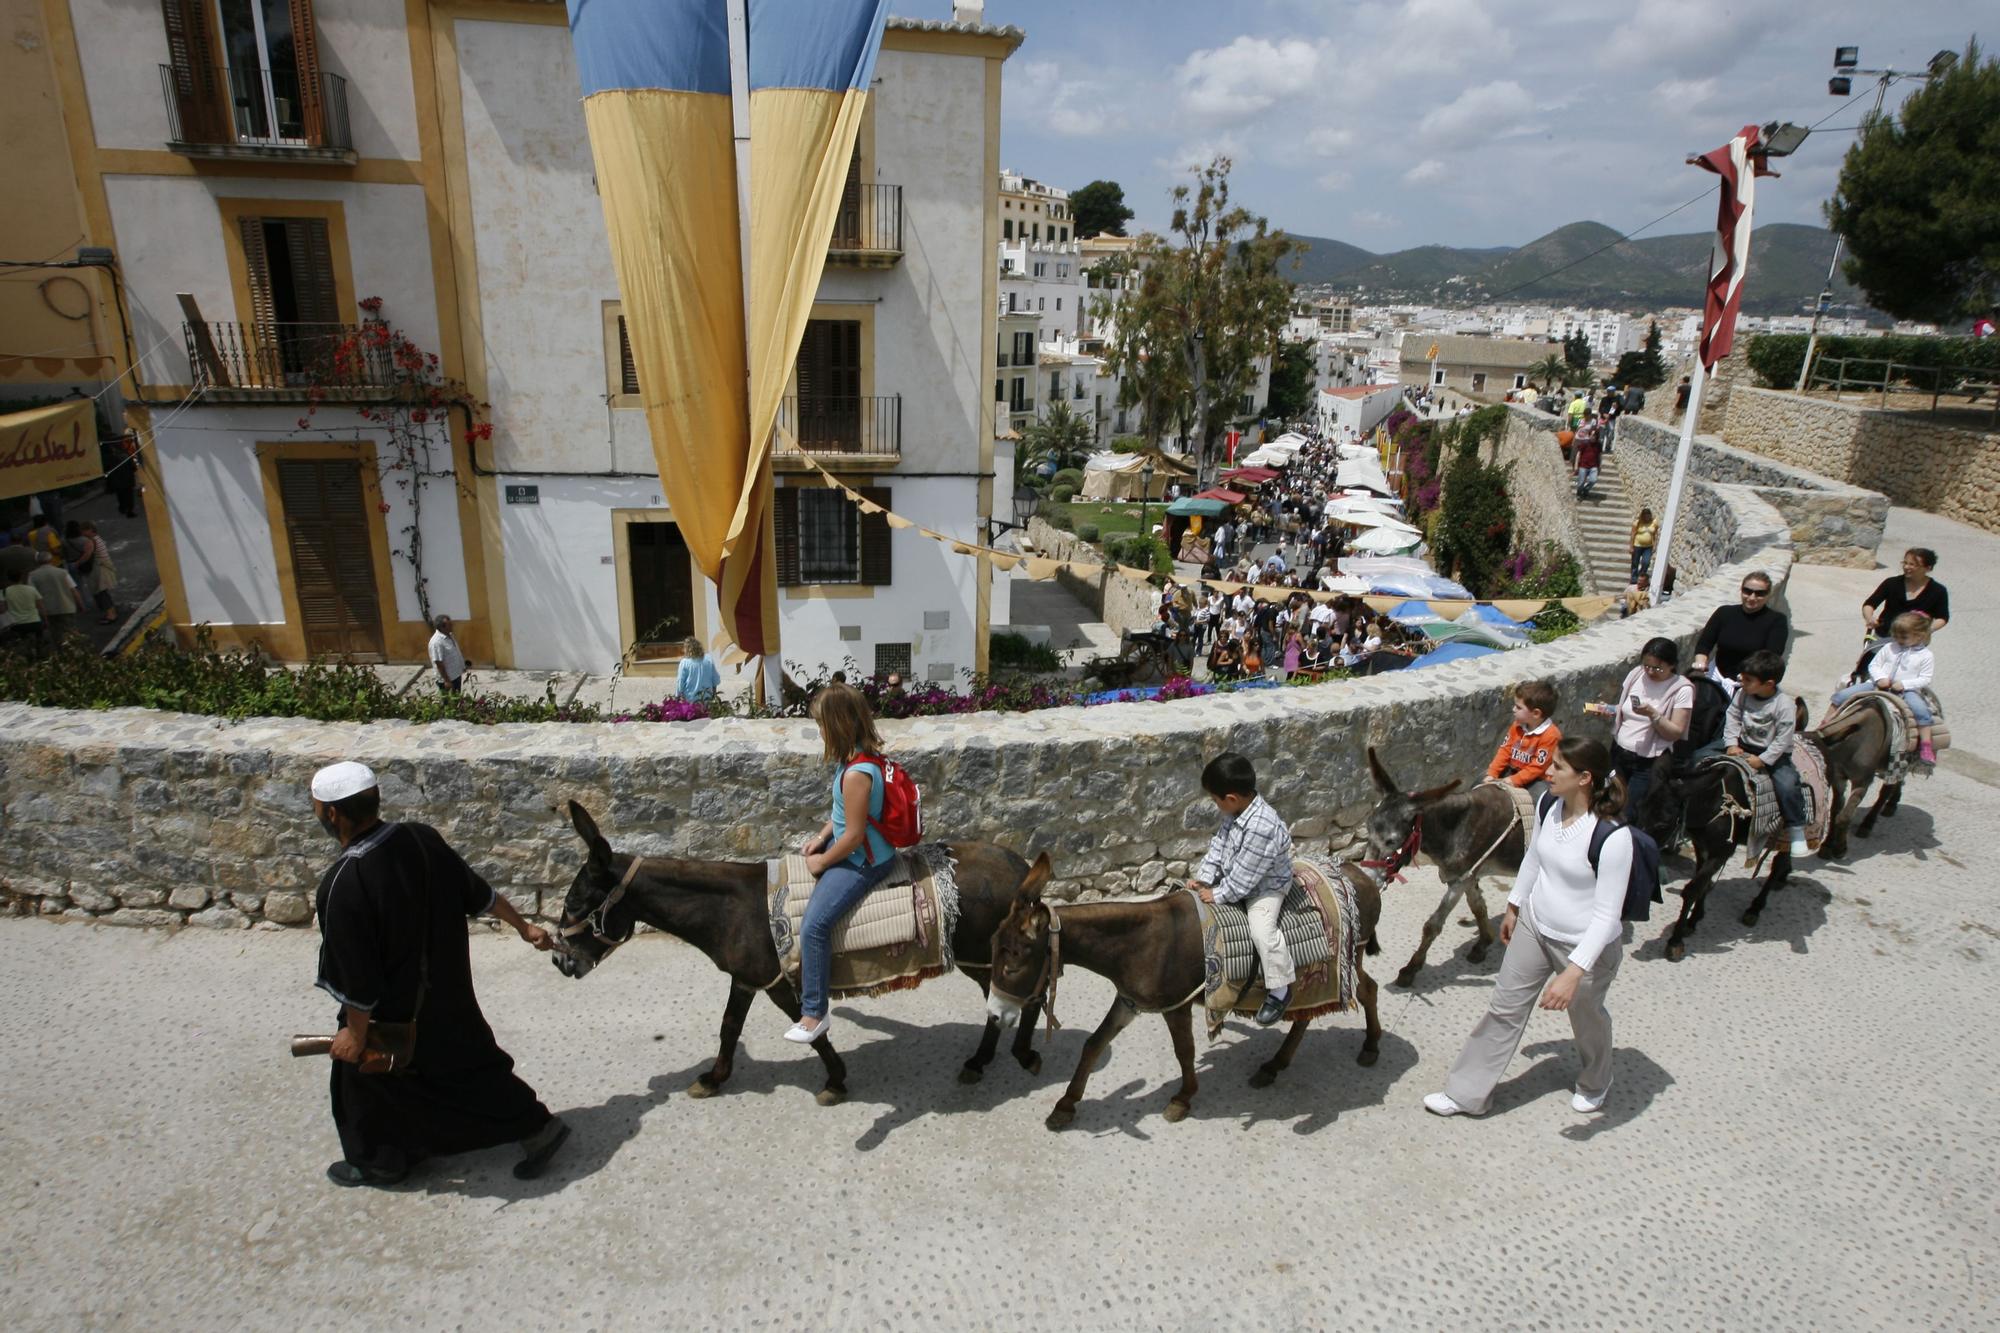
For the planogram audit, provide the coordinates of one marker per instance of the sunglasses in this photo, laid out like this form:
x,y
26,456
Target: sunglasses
x,y
1756,592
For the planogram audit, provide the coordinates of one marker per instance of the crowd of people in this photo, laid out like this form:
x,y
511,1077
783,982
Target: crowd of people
x,y
51,579
1243,636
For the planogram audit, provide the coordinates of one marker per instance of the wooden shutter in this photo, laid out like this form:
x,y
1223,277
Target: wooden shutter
x,y
311,257
785,531
875,533
197,82
258,264
333,574
305,46
628,369
847,221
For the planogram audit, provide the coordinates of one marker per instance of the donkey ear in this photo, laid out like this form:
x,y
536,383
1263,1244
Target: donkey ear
x,y
1036,879
1433,793
586,828
1383,781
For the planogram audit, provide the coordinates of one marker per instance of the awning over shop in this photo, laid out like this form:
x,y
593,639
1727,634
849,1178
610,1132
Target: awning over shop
x,y
1197,504
1224,494
48,448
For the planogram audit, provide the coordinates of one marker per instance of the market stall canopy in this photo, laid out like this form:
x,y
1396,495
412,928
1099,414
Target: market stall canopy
x,y
1222,493
1256,476
1116,476
1198,504
1362,472
48,448
1385,540
1370,518
1452,652
1494,617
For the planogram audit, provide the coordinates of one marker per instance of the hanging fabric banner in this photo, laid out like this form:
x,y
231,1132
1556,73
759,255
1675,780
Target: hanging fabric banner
x,y
47,448
657,103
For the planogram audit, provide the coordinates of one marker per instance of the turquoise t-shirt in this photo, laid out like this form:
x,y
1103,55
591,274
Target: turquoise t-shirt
x,y
875,842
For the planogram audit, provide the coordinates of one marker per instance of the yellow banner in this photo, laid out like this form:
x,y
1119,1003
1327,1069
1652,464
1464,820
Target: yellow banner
x,y
48,448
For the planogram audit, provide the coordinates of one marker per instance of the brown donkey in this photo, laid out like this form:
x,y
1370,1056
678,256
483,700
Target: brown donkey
x,y
720,908
1151,951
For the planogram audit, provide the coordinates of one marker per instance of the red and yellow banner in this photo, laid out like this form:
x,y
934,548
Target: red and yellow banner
x,y
47,448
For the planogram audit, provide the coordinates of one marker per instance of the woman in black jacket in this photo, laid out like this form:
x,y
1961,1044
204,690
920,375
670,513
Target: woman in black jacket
x,y
1734,632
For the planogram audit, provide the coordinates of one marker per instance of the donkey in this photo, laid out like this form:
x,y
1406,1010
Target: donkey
x,y
1151,951
720,907
1854,758
1466,834
1709,805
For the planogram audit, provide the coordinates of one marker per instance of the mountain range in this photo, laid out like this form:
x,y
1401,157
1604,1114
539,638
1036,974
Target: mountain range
x,y
1583,263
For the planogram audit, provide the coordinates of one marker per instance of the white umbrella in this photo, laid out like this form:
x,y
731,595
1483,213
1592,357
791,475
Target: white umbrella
x,y
1360,519
1385,540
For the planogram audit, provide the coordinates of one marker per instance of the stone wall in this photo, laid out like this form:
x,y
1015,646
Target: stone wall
x,y
137,817
1831,523
1122,604
1542,488
1913,459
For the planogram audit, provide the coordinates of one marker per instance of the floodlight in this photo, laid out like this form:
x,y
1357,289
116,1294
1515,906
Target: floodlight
x,y
1942,61
1846,57
1782,140
1839,86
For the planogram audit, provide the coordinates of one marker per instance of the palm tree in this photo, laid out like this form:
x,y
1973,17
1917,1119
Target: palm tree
x,y
1061,437
1551,370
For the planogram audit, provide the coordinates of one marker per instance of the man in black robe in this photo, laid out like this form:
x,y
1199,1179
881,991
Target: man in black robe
x,y
392,912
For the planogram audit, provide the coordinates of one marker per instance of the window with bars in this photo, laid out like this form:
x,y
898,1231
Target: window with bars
x,y
893,657
824,538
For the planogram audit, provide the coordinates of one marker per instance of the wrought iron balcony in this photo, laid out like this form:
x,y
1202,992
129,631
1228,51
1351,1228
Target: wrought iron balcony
x,y
868,229
266,116
870,427
268,360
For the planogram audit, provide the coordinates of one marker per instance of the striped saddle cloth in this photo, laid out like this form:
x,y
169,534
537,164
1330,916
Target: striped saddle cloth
x,y
896,937
1317,921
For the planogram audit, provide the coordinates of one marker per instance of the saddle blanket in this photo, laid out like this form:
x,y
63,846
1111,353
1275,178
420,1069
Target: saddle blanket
x,y
1318,923
1524,806
1767,826
897,937
1902,724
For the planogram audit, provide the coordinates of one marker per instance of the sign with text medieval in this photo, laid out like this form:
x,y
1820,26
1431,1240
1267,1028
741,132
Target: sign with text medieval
x,y
48,448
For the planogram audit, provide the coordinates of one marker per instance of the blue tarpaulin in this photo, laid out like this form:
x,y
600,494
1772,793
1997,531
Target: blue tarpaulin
x,y
1452,652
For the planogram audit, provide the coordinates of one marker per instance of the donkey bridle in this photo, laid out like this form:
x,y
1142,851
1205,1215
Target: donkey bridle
x,y
1392,866
1044,988
598,918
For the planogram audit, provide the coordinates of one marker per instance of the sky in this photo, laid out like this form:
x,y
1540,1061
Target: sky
x,y
1456,122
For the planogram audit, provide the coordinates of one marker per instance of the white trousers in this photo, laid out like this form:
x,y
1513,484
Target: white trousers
x,y
1272,955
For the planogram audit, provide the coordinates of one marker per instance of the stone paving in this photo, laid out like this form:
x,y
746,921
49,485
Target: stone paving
x,y
1798,1135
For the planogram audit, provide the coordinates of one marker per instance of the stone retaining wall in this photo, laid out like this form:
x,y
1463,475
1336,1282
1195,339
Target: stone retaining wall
x,y
1916,461
1831,522
1543,489
137,817
1121,603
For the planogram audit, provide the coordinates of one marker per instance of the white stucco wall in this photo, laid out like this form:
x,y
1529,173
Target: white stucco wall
x,y
222,530
124,42
169,238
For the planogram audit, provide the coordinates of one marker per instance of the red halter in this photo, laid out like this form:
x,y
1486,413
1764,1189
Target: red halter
x,y
1406,854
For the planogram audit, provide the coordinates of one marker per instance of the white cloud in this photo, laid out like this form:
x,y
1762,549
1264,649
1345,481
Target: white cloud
x,y
1227,85
1335,180
1327,140
1430,169
1692,37
1684,94
1477,115
1198,153
1037,92
1371,219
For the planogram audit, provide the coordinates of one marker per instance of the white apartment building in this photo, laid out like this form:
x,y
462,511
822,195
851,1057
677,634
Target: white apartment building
x,y
1044,279
1611,333
264,170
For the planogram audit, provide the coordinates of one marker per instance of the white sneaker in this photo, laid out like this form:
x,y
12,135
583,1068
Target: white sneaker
x,y
805,1036
1799,847
1437,1103
1583,1105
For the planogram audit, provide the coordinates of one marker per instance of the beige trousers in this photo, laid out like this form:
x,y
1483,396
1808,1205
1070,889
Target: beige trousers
x,y
1530,961
1272,954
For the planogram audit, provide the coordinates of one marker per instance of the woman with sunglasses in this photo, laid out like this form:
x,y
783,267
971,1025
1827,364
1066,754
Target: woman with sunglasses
x,y
1734,632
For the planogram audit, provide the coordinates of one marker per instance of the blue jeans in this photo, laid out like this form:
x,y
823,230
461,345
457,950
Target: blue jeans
x,y
1642,562
1914,698
839,891
1784,782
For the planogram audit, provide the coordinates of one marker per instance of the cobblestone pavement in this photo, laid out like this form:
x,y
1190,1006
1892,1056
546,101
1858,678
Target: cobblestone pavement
x,y
1799,1133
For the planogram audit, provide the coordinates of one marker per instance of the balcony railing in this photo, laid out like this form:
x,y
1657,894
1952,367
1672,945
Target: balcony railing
x,y
266,117
869,223
1021,407
871,427
292,357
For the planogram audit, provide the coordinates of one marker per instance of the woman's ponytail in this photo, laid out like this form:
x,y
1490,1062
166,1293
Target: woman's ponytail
x,y
1607,789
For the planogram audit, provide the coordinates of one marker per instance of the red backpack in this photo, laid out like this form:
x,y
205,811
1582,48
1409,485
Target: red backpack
x,y
902,821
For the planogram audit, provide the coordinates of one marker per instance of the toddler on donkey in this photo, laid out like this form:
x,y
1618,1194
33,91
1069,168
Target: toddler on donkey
x,y
1249,861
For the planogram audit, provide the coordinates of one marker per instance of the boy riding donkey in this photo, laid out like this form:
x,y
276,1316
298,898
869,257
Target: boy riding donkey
x,y
1249,861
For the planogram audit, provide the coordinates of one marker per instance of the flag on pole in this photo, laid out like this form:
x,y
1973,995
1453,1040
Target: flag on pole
x,y
657,99
1739,164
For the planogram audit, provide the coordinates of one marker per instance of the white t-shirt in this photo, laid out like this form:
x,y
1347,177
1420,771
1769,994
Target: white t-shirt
x,y
445,653
1633,730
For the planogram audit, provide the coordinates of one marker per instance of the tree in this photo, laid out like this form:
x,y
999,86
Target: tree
x,y
1548,372
1916,199
1061,437
1098,209
1292,382
1647,368
1576,350
1197,312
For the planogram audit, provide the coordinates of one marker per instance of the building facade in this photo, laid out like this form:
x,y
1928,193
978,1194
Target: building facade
x,y
278,179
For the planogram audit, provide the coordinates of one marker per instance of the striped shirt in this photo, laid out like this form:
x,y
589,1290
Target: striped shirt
x,y
1251,854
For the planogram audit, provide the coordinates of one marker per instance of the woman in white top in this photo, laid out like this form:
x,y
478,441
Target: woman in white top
x,y
1654,709
1563,921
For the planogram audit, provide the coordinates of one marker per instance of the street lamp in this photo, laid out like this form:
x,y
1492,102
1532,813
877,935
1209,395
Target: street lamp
x,y
1145,494
1025,500
1846,64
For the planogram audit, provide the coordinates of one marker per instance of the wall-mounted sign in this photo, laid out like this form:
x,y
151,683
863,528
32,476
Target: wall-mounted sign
x,y
524,495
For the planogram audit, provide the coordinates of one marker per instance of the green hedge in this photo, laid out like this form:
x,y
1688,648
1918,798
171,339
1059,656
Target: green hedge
x,y
1062,493
1088,532
1070,477
1056,516
1776,358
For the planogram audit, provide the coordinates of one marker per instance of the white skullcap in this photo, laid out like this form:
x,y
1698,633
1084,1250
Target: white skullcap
x,y
337,782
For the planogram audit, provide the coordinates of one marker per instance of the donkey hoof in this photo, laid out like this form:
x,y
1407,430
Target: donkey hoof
x,y
1477,954
703,1087
1032,1061
1176,1112
1060,1118
1865,829
1675,952
1750,917
1369,1055
831,1096
971,1074
1265,1076
1405,977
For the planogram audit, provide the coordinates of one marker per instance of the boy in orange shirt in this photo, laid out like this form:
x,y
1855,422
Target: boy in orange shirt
x,y
1531,742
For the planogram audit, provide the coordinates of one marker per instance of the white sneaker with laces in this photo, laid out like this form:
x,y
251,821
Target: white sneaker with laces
x,y
805,1036
1799,847
1586,1105
1437,1103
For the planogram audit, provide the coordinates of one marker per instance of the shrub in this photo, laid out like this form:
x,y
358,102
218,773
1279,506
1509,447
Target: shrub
x,y
1014,650
1087,532
1127,444
1776,357
1070,477
1062,493
1140,552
